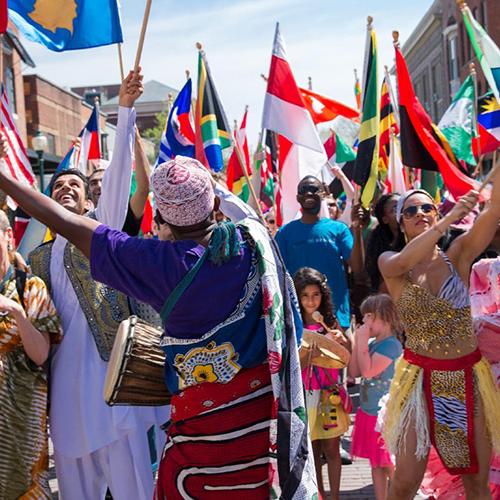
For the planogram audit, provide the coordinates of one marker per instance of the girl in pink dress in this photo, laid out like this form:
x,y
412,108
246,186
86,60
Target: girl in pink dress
x,y
327,422
375,350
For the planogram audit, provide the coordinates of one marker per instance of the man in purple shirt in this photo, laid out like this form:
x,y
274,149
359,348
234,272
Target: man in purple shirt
x,y
231,323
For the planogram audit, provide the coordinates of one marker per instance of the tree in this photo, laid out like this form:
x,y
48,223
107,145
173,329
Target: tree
x,y
155,134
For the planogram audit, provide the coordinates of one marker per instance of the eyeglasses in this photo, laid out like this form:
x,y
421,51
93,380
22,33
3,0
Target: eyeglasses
x,y
308,188
410,212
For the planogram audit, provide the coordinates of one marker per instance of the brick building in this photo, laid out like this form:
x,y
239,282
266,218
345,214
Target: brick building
x,y
438,51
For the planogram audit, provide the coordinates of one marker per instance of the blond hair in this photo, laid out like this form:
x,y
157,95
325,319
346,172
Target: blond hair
x,y
4,221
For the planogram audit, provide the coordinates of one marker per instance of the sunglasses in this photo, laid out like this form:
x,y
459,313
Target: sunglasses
x,y
308,188
426,208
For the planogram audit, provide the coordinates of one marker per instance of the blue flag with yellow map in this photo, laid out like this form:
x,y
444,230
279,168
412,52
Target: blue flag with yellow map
x,y
68,24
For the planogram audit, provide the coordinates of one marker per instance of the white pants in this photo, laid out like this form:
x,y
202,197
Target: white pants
x,y
123,466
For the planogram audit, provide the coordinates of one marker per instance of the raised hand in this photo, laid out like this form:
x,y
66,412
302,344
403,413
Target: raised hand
x,y
131,89
464,205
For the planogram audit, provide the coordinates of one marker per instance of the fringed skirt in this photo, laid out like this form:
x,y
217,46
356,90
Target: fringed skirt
x,y
437,398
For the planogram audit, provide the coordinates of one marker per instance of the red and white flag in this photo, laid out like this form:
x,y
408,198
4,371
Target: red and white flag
x,y
395,180
285,112
16,161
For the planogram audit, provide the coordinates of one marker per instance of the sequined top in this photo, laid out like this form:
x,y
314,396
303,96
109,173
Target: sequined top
x,y
433,324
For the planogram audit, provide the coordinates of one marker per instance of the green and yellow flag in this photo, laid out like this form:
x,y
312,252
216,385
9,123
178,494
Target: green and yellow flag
x,y
366,168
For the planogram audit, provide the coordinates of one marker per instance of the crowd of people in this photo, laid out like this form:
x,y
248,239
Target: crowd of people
x,y
264,329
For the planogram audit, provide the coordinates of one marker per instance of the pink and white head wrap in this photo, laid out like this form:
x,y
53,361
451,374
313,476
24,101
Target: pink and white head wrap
x,y
183,191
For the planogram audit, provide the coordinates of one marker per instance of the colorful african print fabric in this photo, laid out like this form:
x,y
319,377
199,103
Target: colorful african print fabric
x,y
23,398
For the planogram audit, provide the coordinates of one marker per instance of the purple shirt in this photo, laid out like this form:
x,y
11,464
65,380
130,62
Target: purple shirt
x,y
149,270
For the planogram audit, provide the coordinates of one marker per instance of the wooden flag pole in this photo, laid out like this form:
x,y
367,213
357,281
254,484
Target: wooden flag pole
x,y
243,167
120,61
394,103
140,45
473,74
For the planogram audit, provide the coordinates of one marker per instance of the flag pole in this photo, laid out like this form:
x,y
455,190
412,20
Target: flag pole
x,y
392,95
120,61
473,74
140,45
243,167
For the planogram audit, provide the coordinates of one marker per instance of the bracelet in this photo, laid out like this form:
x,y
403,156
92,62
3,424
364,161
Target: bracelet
x,y
438,230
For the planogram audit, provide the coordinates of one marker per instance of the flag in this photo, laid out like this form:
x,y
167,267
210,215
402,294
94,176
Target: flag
x,y
458,123
16,161
357,90
263,168
487,52
90,143
366,170
68,24
339,153
488,123
422,144
325,109
4,16
301,151
387,123
236,179
178,137
395,180
212,128
285,111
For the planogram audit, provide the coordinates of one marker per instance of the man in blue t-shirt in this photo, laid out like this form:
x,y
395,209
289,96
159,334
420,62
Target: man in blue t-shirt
x,y
320,243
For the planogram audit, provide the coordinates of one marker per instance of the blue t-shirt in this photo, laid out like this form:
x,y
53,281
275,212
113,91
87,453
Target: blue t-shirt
x,y
324,246
374,388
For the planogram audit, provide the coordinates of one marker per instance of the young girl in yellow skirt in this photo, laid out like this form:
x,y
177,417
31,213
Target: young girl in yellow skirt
x,y
326,398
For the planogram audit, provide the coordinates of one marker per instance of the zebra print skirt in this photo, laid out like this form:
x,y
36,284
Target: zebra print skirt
x,y
451,390
218,441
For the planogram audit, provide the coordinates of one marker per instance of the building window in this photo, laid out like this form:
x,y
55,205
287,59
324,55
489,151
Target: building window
x,y
452,57
9,88
425,90
51,143
435,91
484,18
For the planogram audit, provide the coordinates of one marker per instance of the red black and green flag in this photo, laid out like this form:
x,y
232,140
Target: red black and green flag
x,y
366,168
387,122
213,131
422,143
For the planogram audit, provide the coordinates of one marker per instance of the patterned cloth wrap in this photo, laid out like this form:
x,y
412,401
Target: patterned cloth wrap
x,y
24,458
232,413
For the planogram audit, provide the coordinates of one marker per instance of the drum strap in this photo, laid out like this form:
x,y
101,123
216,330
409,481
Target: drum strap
x,y
177,292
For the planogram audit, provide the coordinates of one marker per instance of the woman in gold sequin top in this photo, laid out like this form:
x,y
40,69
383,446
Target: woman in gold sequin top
x,y
443,392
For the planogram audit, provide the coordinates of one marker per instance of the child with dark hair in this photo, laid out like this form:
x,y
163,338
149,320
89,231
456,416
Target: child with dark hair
x,y
375,351
325,396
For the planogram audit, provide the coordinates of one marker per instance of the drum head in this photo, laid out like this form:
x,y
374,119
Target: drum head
x,y
333,355
116,360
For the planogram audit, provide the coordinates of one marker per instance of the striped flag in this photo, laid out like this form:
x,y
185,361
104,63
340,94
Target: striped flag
x,y
236,179
486,51
178,137
213,131
366,169
387,122
263,167
16,161
324,109
357,90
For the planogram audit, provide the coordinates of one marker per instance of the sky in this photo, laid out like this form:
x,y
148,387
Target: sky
x,y
325,39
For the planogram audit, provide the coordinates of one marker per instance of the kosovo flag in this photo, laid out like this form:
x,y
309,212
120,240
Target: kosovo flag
x,y
68,24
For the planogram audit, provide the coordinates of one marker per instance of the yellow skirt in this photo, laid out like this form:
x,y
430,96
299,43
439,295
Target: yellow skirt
x,y
414,387
316,419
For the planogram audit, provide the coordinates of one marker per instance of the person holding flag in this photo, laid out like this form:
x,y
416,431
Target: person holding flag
x,y
443,392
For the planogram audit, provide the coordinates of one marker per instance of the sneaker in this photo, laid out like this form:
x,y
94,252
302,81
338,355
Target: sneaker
x,y
346,459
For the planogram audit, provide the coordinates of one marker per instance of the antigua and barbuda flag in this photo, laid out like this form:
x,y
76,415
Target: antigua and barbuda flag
x,y
68,24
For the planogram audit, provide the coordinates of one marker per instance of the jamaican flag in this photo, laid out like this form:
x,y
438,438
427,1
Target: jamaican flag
x,y
366,167
212,128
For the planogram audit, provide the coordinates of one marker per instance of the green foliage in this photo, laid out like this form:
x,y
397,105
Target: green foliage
x,y
154,134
